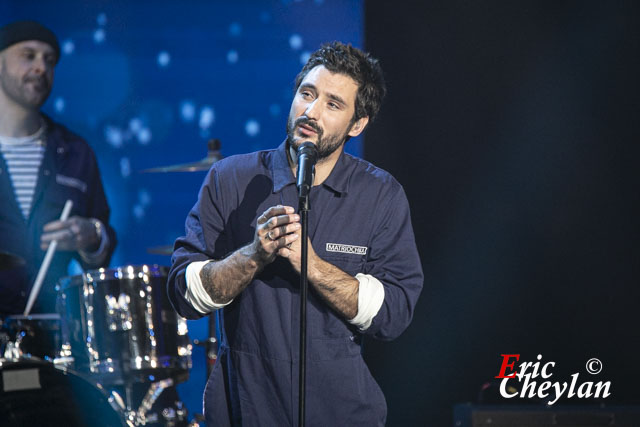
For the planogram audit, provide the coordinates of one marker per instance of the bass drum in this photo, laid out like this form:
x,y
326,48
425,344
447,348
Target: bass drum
x,y
35,393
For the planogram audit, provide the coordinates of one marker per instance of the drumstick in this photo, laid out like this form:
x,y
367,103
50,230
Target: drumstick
x,y
35,290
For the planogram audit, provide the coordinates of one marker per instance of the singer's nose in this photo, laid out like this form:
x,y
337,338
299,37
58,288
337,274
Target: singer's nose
x,y
312,111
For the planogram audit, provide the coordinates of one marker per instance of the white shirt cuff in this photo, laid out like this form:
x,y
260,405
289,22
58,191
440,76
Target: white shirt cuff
x,y
196,295
370,299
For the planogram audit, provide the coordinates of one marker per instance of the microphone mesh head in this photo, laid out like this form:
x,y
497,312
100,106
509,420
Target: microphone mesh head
x,y
309,149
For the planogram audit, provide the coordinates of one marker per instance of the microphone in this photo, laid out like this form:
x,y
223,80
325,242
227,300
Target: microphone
x,y
307,157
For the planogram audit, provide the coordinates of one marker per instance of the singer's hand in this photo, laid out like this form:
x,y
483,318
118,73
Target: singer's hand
x,y
339,289
74,234
293,253
276,228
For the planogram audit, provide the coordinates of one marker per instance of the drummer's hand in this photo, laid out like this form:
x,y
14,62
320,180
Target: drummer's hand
x,y
277,227
74,234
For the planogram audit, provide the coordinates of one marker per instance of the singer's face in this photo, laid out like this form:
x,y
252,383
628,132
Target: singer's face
x,y
26,72
322,112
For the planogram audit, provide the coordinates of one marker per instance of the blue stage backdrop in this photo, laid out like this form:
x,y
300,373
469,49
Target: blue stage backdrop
x,y
148,83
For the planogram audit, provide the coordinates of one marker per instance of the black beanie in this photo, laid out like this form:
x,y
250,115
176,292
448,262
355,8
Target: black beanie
x,y
20,31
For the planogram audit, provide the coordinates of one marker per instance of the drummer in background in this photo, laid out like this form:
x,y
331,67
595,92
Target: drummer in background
x,y
43,164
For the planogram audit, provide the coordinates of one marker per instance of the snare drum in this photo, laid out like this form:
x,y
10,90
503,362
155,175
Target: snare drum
x,y
36,393
120,326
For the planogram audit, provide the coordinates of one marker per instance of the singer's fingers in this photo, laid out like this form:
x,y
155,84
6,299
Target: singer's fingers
x,y
275,211
287,246
281,220
283,230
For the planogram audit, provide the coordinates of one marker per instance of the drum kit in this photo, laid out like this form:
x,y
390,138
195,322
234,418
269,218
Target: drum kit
x,y
110,356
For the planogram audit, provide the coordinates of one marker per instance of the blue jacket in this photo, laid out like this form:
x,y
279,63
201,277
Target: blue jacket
x,y
66,155
255,381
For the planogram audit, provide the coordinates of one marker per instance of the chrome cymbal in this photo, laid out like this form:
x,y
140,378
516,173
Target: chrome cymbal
x,y
213,155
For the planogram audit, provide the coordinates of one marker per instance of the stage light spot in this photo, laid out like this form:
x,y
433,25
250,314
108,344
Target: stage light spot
x,y
138,212
163,59
304,57
265,17
102,19
135,125
232,56
144,136
187,111
113,135
99,36
295,41
58,105
144,197
68,47
125,167
235,29
207,117
252,127
274,110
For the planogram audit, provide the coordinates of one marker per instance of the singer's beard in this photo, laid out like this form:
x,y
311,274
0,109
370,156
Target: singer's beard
x,y
326,145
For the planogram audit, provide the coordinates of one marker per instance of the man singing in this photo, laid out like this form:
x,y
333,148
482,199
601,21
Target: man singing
x,y
240,258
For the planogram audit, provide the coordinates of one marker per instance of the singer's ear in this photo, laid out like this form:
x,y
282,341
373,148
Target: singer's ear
x,y
358,126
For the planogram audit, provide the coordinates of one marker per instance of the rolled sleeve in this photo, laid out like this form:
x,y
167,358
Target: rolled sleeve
x,y
196,295
203,227
370,299
395,262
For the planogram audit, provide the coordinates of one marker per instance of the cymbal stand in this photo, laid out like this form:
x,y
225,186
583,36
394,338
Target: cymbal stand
x,y
155,389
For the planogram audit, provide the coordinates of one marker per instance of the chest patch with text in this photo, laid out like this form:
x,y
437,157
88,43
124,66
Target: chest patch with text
x,y
346,249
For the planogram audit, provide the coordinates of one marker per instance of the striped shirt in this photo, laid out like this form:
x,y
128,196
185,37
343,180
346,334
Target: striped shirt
x,y
23,156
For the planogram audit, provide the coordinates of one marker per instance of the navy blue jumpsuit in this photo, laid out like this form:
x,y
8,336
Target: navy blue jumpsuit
x,y
255,381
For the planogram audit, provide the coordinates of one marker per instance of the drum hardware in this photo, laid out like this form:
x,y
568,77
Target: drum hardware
x,y
120,329
12,351
213,155
211,351
120,326
36,335
151,411
169,415
35,392
120,319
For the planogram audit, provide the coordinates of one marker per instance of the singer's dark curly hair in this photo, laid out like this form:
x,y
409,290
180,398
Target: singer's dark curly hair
x,y
360,66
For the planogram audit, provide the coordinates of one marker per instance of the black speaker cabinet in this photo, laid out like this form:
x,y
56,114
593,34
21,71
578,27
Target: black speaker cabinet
x,y
468,415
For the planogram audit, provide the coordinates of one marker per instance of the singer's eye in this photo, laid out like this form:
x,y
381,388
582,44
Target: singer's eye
x,y
306,94
334,106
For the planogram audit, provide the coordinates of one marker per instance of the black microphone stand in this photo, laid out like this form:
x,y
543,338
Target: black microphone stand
x,y
303,210
307,156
